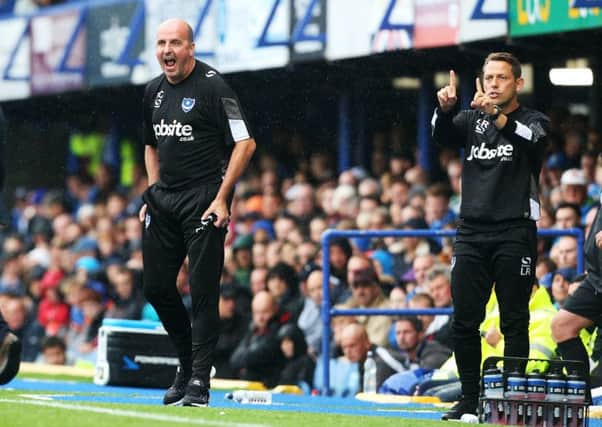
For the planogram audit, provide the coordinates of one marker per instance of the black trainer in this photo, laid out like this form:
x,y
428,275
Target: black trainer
x,y
197,393
464,406
176,392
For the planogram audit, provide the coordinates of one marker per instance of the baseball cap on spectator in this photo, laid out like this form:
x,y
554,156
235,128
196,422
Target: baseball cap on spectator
x,y
244,241
359,172
573,177
97,286
84,244
36,272
556,161
420,224
568,273
293,192
228,291
40,225
307,269
546,280
265,225
88,263
39,256
415,224
385,260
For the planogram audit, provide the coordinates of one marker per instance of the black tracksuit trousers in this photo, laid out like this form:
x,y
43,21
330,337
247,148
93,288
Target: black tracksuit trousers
x,y
170,233
482,259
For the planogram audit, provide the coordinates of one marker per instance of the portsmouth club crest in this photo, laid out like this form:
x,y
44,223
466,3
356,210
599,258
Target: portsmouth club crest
x,y
187,104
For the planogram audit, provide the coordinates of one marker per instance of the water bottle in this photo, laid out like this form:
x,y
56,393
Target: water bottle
x,y
251,397
369,374
536,394
493,383
575,395
555,394
493,388
516,392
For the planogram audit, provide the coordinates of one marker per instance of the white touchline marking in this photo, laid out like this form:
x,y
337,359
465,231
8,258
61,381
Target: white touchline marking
x,y
132,414
45,397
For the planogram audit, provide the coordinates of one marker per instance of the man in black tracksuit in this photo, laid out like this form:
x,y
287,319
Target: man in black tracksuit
x,y
197,144
10,346
583,308
496,239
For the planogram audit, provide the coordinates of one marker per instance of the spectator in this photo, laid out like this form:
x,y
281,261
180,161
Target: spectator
x,y
356,344
54,351
437,211
298,365
257,357
53,312
416,351
129,301
574,187
439,288
421,266
561,281
233,326
366,293
340,253
564,252
243,259
283,284
310,319
15,311
567,215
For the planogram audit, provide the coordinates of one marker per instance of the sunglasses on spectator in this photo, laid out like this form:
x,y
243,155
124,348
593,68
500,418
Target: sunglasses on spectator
x,y
356,285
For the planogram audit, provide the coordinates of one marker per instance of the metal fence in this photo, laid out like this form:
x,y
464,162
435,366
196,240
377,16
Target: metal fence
x,y
328,312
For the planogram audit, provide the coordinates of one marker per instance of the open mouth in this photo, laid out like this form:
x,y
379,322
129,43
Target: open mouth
x,y
169,63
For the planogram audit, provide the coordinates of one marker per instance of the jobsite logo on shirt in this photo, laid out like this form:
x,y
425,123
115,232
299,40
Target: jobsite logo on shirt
x,y
482,152
174,128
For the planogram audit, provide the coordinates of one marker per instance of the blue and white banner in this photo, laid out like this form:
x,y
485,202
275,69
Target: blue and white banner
x,y
114,43
483,19
252,38
14,59
361,28
58,51
308,30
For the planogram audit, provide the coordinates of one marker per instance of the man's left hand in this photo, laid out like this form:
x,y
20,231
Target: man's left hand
x,y
220,209
481,102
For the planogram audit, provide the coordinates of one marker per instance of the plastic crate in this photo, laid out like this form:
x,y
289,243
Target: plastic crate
x,y
533,412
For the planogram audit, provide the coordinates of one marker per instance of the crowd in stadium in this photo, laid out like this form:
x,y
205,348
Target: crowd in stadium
x,y
72,257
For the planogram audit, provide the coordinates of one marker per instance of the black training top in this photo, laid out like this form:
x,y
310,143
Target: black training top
x,y
500,171
193,124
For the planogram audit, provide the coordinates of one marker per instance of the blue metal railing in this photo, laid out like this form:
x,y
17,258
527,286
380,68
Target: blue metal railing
x,y
328,312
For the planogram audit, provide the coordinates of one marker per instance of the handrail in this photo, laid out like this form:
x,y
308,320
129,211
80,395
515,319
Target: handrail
x,y
327,312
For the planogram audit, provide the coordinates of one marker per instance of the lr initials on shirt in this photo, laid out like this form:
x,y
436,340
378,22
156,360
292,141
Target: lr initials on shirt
x,y
482,125
525,266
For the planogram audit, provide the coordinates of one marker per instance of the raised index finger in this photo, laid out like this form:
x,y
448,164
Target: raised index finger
x,y
479,87
452,82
